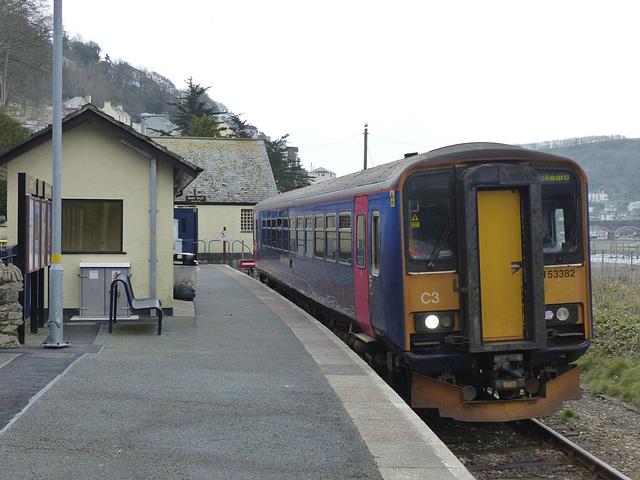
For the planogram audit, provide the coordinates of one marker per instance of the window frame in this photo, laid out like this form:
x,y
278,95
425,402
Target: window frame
x,y
66,226
345,238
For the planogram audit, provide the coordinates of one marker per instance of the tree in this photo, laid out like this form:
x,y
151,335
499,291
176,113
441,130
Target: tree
x,y
286,167
11,132
193,104
203,126
240,128
25,49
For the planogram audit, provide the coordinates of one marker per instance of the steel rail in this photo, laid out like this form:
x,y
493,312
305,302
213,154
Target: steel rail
x,y
596,466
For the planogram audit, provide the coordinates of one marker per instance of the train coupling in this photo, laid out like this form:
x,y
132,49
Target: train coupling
x,y
508,374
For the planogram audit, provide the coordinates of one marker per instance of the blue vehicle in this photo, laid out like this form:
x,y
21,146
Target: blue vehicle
x,y
462,273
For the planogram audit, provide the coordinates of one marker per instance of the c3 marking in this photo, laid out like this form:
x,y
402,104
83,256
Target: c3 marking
x,y
430,297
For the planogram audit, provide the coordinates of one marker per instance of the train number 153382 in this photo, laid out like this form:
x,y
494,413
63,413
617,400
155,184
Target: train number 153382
x,y
560,273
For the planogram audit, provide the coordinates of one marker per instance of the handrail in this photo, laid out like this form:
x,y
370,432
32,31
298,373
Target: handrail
x,y
243,246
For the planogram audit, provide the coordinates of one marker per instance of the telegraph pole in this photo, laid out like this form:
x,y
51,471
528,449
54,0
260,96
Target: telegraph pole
x,y
56,320
366,133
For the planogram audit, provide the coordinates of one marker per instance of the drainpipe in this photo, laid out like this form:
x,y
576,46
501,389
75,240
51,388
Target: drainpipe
x,y
153,214
153,211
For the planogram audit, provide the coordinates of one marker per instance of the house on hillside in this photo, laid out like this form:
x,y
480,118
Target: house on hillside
x,y
236,175
111,178
321,175
116,112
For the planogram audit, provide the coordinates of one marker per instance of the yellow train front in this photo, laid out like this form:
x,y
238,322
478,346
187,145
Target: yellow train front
x,y
470,269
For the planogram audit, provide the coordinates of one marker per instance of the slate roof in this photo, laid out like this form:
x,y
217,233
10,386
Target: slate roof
x,y
235,170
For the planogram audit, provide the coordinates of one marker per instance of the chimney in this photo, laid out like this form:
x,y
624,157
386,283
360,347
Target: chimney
x,y
88,98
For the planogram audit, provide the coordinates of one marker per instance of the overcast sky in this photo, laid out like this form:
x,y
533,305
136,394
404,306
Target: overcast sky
x,y
423,74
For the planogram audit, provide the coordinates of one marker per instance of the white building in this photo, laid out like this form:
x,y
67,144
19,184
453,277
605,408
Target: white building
x,y
321,175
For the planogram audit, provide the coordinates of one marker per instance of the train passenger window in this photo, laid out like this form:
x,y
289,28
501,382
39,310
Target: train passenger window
x,y
428,222
292,235
375,243
308,231
278,233
361,241
331,236
264,232
271,233
344,237
561,226
319,236
285,233
300,234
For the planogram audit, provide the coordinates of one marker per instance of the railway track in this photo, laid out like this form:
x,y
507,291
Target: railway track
x,y
525,450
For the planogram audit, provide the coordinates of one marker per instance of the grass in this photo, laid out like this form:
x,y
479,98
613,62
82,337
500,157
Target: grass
x,y
612,364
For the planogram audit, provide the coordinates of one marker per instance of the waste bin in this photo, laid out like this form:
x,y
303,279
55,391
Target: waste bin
x,y
185,272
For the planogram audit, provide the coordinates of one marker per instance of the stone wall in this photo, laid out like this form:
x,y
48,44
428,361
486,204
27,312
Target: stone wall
x,y
10,308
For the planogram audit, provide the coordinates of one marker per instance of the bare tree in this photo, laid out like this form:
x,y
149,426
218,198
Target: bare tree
x,y
25,48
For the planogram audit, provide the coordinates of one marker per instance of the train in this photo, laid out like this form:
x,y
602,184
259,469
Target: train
x,y
462,274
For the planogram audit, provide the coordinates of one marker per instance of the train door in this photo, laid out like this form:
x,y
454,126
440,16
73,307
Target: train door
x,y
501,272
362,279
187,228
502,263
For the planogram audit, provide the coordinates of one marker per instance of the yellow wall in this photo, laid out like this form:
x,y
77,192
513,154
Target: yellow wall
x,y
211,220
96,165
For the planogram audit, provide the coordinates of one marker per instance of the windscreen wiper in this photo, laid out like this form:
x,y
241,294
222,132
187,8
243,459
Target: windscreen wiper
x,y
438,247
571,240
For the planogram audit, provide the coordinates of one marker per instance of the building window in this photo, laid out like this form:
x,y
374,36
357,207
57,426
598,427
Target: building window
x,y
246,220
92,226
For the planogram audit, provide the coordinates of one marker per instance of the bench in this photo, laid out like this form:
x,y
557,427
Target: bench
x,y
136,304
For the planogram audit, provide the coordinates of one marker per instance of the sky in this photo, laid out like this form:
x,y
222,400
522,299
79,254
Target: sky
x,y
422,74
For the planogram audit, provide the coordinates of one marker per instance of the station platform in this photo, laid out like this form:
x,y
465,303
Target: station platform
x,y
244,386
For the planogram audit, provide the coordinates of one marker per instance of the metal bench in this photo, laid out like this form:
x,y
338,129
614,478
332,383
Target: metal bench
x,y
136,304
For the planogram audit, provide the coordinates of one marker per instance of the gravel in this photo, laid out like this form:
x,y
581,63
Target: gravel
x,y
606,428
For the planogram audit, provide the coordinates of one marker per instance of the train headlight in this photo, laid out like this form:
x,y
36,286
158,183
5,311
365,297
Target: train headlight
x,y
434,321
561,313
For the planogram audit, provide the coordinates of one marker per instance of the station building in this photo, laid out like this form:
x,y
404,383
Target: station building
x,y
236,175
111,175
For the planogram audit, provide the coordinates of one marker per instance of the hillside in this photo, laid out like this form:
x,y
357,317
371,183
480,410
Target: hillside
x,y
612,164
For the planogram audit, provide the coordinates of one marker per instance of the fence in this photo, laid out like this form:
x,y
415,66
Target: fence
x,y
8,253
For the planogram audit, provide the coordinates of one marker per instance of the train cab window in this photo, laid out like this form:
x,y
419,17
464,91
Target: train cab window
x,y
331,236
300,234
561,225
361,241
428,222
375,243
318,248
308,231
264,232
344,237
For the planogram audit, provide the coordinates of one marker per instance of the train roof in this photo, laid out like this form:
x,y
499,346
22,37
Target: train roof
x,y
389,175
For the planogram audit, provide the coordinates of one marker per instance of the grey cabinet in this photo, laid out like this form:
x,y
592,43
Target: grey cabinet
x,y
95,283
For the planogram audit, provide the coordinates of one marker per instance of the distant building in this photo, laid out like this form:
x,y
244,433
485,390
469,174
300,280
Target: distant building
x,y
321,175
155,124
75,103
116,112
598,196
